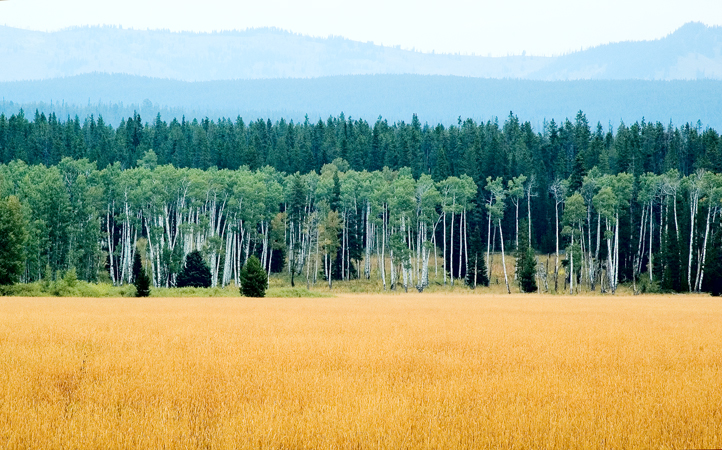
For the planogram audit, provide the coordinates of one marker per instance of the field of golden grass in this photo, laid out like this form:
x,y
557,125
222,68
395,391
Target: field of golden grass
x,y
380,371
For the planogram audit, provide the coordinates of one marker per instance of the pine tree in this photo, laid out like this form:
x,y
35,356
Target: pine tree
x,y
253,278
577,177
142,281
195,273
525,263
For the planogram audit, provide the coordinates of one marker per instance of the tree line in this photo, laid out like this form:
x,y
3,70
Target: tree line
x,y
343,200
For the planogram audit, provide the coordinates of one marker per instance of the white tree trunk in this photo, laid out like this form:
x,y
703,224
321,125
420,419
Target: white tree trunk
x,y
700,267
651,233
571,267
503,260
444,267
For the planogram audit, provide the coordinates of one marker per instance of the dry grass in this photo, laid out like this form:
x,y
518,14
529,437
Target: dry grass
x,y
412,371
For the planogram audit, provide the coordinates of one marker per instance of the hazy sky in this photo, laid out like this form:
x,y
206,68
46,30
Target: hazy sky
x,y
481,27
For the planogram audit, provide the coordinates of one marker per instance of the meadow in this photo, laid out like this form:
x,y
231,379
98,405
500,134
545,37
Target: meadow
x,y
432,370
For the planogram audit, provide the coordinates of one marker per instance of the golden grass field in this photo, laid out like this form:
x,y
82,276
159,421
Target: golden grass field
x,y
380,371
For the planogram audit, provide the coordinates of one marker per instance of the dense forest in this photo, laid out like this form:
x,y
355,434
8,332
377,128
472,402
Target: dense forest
x,y
345,199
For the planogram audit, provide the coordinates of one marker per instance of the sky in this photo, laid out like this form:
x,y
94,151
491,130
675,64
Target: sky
x,y
481,27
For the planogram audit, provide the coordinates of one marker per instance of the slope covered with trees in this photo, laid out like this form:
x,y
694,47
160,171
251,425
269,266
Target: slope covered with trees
x,y
437,99
341,199
691,52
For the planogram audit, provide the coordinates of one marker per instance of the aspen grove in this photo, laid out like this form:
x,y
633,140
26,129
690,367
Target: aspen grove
x,y
639,206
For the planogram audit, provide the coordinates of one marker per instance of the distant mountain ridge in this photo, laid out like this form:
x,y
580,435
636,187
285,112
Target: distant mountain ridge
x,y
692,52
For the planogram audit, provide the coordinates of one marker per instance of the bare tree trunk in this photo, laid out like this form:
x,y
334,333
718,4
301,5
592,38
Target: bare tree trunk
x,y
693,217
700,267
111,232
516,204
616,252
383,248
367,262
466,244
503,260
461,247
528,210
445,248
610,259
488,248
436,260
315,263
651,233
451,249
556,258
571,267
343,246
641,243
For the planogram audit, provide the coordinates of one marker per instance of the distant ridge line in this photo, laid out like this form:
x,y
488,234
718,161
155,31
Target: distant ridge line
x,y
694,51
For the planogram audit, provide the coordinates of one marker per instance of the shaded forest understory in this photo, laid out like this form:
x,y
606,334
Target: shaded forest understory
x,y
324,200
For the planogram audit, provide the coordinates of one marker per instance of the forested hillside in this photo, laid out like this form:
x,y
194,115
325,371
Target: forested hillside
x,y
692,52
345,199
436,99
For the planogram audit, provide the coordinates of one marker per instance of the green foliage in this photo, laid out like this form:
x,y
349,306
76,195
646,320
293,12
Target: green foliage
x,y
648,287
77,216
63,288
575,211
195,273
12,240
253,279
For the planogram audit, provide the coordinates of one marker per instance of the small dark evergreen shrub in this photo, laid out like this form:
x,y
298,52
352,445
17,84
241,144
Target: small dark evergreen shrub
x,y
526,272
142,280
195,273
253,279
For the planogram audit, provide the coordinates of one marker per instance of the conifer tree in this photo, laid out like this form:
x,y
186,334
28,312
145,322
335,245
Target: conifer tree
x,y
195,273
253,278
142,280
525,263
577,177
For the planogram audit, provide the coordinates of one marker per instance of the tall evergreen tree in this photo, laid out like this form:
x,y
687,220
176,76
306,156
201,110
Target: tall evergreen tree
x,y
578,172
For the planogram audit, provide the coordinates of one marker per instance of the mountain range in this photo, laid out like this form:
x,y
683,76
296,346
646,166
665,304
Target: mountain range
x,y
692,52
